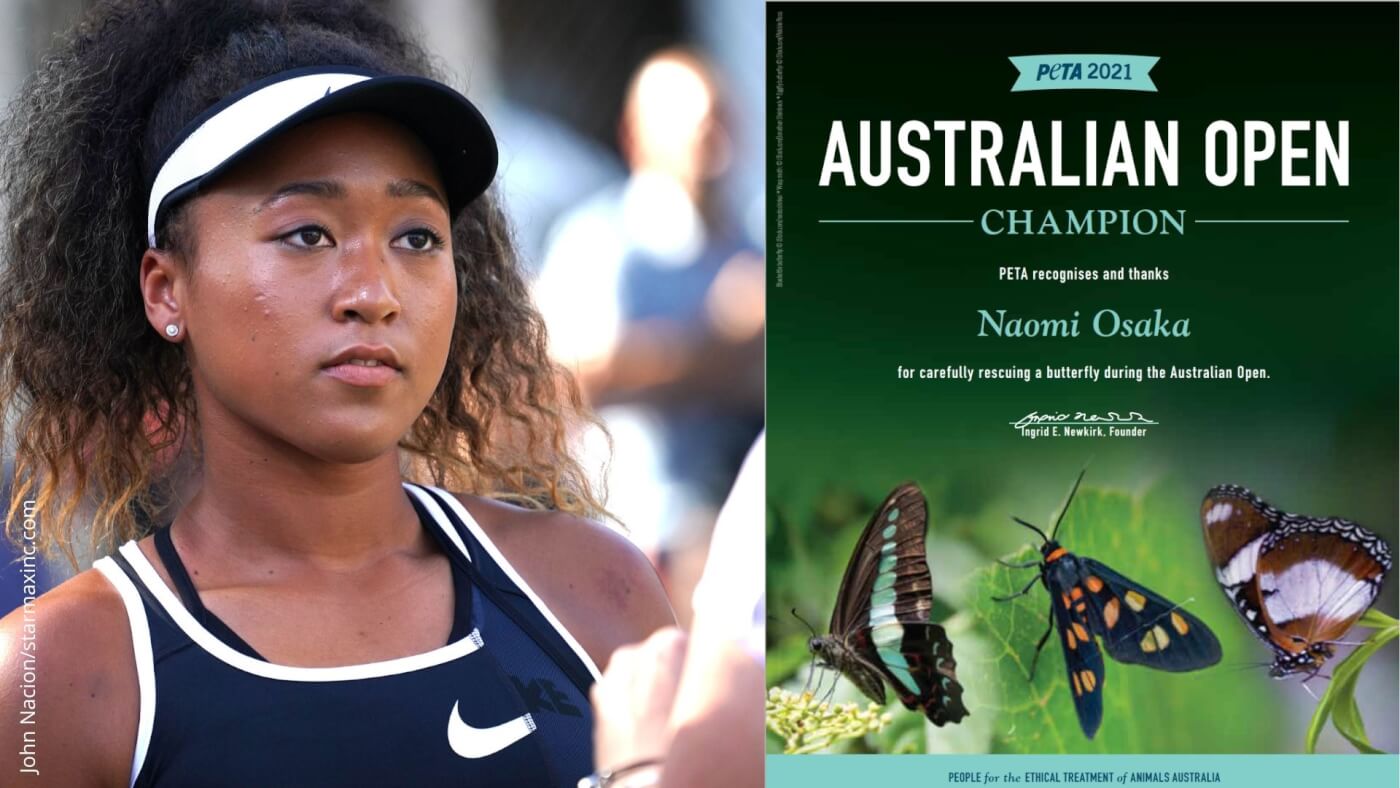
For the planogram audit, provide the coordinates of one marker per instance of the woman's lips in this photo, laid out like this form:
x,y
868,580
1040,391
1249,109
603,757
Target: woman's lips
x,y
360,375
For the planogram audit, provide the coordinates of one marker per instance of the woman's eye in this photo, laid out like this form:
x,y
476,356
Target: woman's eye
x,y
307,237
421,240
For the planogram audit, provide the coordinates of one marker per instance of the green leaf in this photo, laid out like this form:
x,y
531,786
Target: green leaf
x,y
1375,619
1339,701
1347,718
1155,539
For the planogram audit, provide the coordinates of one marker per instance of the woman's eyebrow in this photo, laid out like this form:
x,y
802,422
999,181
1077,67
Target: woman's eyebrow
x,y
404,187
407,187
327,189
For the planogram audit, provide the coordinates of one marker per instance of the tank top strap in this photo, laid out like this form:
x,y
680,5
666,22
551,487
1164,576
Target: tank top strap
x,y
463,581
163,634
499,582
184,586
189,595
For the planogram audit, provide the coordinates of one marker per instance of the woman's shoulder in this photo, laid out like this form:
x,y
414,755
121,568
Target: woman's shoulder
x,y
599,585
68,674
80,627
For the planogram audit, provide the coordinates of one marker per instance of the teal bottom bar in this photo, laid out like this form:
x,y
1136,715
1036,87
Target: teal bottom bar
x,y
1208,771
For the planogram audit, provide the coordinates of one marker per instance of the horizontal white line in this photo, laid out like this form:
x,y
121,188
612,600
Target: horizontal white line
x,y
894,221
1196,221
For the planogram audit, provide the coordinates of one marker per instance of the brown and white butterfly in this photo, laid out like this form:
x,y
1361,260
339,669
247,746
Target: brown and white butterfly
x,y
1298,582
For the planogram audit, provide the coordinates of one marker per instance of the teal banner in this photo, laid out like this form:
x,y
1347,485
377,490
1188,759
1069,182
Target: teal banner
x,y
1084,72
1182,771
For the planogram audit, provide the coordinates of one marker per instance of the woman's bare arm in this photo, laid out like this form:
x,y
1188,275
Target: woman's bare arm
x,y
600,586
68,694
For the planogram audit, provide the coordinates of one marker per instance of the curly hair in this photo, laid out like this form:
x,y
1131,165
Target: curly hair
x,y
95,400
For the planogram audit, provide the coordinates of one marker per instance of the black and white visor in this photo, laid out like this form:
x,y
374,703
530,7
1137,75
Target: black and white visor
x,y
449,126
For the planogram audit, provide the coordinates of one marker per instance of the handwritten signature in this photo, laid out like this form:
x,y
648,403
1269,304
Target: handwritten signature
x,y
1080,418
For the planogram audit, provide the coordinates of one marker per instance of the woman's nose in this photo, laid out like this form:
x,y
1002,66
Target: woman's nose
x,y
366,288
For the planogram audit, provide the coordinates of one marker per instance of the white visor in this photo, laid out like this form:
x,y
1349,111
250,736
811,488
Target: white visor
x,y
447,122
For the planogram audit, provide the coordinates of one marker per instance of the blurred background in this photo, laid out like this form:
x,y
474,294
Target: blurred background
x,y
631,164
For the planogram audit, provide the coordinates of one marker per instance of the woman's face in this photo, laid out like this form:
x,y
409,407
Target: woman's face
x,y
319,305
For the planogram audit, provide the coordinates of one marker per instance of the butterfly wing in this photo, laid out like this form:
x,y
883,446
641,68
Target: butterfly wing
x,y
1236,523
887,577
883,606
1295,580
920,667
1083,662
1316,577
1140,627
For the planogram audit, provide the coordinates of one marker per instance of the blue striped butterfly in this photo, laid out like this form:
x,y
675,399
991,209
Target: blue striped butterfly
x,y
1090,602
1299,583
880,629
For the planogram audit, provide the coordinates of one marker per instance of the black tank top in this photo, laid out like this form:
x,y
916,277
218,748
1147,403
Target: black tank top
x,y
503,703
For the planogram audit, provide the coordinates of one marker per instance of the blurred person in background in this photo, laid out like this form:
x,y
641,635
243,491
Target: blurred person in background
x,y
653,291
684,710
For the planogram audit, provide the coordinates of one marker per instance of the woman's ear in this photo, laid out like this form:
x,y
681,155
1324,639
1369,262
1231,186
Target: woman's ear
x,y
163,288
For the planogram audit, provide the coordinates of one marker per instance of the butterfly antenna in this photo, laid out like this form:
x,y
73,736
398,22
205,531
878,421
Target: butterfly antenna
x,y
1032,527
1068,500
804,622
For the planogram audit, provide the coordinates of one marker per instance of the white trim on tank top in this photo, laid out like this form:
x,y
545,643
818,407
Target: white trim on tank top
x,y
222,651
495,553
145,662
225,653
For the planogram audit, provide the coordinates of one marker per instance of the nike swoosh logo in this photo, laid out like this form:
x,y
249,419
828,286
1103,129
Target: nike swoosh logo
x,y
470,742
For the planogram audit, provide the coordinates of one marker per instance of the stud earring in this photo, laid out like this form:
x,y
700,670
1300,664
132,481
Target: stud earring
x,y
171,329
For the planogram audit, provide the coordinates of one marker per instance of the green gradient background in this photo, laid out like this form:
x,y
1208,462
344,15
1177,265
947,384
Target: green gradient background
x,y
1315,304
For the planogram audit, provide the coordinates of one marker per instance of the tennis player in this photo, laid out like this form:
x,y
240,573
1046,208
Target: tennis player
x,y
259,237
